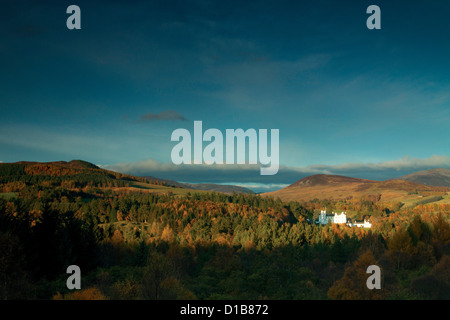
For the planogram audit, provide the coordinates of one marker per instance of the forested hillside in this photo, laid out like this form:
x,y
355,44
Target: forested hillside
x,y
131,244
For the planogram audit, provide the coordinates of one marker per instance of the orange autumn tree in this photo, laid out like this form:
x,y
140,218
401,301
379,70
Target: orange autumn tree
x,y
352,286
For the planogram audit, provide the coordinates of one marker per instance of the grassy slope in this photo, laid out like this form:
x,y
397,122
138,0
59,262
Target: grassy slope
x,y
337,189
153,188
433,177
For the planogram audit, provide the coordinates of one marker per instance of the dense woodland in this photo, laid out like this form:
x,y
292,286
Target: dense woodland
x,y
138,245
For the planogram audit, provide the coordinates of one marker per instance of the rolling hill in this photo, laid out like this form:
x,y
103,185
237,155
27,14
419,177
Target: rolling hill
x,y
341,187
433,177
75,169
77,174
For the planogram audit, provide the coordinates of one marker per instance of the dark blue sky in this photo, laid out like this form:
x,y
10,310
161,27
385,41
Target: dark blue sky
x,y
347,100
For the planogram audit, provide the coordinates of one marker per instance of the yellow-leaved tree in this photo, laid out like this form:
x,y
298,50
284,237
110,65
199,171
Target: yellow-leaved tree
x,y
353,285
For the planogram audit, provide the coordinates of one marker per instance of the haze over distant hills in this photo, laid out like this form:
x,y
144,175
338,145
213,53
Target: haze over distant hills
x,y
432,177
202,186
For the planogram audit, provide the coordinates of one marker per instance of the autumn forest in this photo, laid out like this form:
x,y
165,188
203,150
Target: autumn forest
x,y
140,239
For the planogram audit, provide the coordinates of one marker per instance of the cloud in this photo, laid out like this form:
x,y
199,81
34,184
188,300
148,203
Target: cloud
x,y
246,175
164,115
399,165
376,171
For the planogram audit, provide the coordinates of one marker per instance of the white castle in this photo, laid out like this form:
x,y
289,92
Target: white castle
x,y
341,219
333,218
